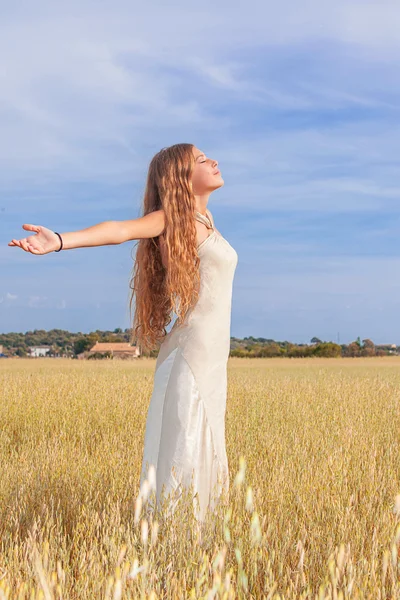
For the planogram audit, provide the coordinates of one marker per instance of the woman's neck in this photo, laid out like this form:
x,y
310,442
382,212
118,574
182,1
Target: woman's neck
x,y
201,203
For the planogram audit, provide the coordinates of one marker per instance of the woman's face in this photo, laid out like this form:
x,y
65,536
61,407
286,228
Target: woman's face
x,y
206,176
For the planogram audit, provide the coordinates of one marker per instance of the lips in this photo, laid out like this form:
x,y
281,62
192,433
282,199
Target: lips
x,y
217,172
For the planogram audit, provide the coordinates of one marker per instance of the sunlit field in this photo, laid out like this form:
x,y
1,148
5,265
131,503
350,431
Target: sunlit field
x,y
314,455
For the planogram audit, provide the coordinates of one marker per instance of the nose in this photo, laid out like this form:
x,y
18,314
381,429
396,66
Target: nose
x,y
215,163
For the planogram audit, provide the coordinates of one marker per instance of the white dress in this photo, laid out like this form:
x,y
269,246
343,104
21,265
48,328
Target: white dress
x,y
185,427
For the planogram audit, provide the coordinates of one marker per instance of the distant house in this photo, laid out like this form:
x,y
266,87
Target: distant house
x,y
38,350
391,347
120,350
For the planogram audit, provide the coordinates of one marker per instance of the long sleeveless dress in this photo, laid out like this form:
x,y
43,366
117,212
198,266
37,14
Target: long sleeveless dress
x,y
185,427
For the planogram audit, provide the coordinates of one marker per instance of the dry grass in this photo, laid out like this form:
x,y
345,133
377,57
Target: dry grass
x,y
312,507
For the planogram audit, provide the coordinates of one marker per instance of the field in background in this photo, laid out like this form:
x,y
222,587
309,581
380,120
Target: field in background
x,y
312,513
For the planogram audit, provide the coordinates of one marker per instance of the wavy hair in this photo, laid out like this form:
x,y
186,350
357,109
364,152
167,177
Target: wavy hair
x,y
156,290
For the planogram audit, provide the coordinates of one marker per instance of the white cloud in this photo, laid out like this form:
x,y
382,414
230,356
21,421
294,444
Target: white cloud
x,y
84,90
298,103
62,304
38,302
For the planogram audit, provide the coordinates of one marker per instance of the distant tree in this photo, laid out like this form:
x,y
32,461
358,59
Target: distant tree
x,y
291,349
368,348
81,345
367,343
256,350
118,330
54,350
240,353
315,340
271,350
353,349
328,350
368,352
85,343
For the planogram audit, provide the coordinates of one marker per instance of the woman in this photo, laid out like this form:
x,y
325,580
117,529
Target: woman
x,y
182,265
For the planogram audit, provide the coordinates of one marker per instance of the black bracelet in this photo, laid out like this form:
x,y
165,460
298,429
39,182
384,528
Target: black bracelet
x,y
60,248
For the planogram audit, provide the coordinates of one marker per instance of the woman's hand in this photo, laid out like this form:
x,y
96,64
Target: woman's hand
x,y
43,242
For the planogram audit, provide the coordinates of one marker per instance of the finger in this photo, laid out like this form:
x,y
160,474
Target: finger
x,y
24,245
33,249
30,227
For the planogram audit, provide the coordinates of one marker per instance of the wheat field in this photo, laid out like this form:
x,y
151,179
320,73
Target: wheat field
x,y
314,505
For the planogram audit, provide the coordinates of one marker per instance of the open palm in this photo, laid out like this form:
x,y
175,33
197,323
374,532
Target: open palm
x,y
43,241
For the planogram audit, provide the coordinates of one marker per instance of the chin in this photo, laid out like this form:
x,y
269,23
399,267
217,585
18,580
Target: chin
x,y
219,184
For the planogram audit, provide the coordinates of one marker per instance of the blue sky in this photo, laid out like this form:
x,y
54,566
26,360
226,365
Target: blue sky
x,y
299,102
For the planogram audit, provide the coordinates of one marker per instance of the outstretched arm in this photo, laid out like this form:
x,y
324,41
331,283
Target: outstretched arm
x,y
106,233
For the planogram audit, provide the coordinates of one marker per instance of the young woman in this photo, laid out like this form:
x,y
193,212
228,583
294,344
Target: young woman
x,y
183,265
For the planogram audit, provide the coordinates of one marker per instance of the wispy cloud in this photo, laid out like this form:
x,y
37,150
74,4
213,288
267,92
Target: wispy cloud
x,y
301,108
82,95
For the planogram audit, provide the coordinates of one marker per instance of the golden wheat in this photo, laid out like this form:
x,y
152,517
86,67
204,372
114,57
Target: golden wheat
x,y
314,506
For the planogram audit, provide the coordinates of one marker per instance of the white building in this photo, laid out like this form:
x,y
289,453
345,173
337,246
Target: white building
x,y
39,350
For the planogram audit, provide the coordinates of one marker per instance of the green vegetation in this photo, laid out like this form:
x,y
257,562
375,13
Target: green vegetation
x,y
251,347
69,345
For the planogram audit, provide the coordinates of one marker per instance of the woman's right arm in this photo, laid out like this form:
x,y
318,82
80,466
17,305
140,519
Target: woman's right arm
x,y
106,233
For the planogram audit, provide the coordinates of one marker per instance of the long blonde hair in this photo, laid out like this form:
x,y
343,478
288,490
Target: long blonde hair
x,y
157,290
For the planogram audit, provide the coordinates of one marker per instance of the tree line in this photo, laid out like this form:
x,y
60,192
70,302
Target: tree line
x,y
63,343
261,348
